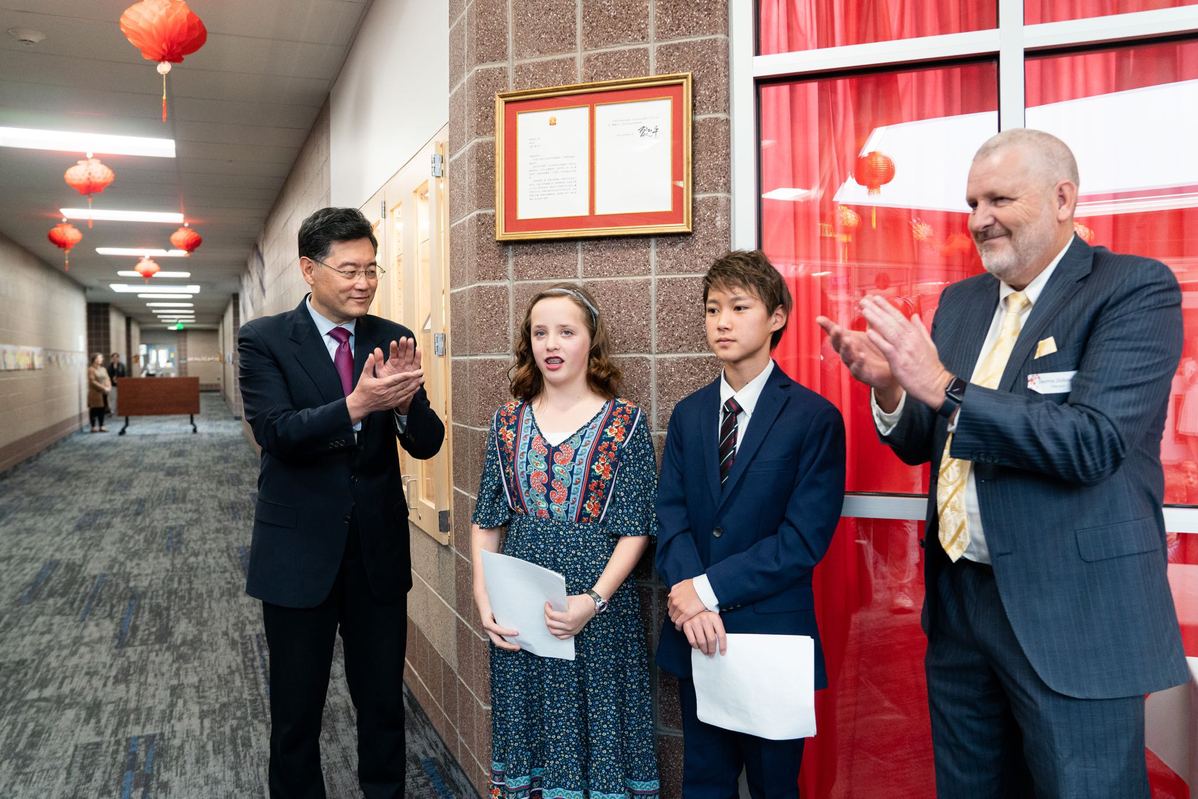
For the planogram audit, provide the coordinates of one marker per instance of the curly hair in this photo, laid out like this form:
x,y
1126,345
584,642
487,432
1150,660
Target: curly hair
x,y
603,375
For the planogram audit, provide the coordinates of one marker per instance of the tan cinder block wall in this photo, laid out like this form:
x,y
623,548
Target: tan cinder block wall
x,y
40,307
204,358
117,327
272,283
278,286
648,286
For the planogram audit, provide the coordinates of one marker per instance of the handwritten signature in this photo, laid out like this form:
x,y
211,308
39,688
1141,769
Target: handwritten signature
x,y
647,132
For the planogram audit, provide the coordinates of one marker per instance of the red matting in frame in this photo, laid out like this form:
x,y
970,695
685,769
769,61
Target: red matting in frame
x,y
508,105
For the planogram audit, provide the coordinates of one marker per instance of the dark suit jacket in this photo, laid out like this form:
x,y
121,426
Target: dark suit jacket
x,y
1069,485
314,475
759,536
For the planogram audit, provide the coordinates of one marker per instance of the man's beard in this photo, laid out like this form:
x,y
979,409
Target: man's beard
x,y
1023,248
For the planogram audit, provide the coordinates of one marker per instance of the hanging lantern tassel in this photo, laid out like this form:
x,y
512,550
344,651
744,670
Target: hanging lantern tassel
x,y
165,31
873,171
65,236
89,176
163,68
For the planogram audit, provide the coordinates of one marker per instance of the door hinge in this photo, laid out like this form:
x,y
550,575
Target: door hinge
x,y
438,165
443,521
439,345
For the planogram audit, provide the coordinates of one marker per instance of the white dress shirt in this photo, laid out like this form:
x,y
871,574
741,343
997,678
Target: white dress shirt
x,y
977,550
324,325
747,399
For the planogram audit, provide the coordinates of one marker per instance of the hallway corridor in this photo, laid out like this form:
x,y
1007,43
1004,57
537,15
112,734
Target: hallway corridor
x,y
132,662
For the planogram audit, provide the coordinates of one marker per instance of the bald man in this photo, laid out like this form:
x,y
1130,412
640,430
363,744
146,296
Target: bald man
x,y
1039,399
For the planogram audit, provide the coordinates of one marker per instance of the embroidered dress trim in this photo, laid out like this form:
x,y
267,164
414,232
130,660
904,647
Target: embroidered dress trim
x,y
553,482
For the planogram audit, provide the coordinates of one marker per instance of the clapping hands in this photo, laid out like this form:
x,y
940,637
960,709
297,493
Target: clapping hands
x,y
387,383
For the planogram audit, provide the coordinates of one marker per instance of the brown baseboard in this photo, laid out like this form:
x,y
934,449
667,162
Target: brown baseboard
x,y
27,447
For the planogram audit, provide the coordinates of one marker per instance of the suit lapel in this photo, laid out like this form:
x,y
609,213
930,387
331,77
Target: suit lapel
x,y
313,355
770,403
963,341
1074,266
709,446
363,344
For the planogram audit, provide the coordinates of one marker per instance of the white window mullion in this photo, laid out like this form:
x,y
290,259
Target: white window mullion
x,y
1112,28
922,50
742,105
1010,64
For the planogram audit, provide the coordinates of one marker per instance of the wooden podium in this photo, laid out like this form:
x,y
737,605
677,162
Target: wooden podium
x,y
158,396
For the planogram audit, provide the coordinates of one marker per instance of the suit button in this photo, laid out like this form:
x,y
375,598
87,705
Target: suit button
x,y
717,532
347,518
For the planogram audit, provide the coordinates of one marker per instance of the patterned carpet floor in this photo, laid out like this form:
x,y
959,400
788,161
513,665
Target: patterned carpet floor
x,y
132,664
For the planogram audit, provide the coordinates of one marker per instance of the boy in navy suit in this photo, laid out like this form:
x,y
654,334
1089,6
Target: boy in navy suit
x,y
752,482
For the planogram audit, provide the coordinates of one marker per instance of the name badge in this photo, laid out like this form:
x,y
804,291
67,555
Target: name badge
x,y
1051,382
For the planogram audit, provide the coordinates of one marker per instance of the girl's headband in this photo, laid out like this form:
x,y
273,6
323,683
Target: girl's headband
x,y
578,295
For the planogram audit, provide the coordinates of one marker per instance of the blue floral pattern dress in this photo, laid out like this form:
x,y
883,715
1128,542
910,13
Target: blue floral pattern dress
x,y
580,729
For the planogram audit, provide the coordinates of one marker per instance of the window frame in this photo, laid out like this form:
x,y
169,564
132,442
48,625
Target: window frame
x,y
1011,43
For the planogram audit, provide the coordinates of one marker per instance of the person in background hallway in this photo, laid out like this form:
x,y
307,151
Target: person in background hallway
x,y
116,369
328,390
1039,398
98,386
752,482
570,473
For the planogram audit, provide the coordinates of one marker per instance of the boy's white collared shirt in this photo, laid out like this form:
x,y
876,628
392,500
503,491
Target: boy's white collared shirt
x,y
747,399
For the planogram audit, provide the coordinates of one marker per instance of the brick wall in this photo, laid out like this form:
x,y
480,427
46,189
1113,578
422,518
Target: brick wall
x,y
649,287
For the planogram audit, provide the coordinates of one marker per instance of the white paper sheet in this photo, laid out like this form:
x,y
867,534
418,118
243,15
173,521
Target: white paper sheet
x,y
632,157
553,163
518,591
763,686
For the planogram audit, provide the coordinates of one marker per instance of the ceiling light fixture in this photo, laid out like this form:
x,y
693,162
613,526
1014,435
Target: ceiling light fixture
x,y
125,288
161,296
160,275
81,142
170,305
166,217
139,251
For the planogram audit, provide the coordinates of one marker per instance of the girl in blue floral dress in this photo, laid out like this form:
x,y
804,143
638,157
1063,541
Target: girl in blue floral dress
x,y
570,472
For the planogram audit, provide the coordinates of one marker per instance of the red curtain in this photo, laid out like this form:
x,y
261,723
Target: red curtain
x,y
874,737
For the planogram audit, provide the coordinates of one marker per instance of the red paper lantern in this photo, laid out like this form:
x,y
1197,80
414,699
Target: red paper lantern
x,y
147,268
64,235
89,176
164,31
186,239
873,171
848,218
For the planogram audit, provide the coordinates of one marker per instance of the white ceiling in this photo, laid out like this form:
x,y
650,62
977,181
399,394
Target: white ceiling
x,y
240,109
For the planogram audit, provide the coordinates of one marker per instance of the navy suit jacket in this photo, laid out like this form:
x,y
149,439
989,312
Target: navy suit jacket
x,y
1070,484
314,475
759,536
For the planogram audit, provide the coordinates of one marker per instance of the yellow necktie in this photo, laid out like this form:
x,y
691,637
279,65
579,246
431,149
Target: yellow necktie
x,y
954,472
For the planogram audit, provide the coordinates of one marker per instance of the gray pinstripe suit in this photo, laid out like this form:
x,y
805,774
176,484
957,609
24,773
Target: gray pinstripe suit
x,y
1070,489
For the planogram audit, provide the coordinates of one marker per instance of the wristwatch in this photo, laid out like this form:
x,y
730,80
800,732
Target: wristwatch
x,y
600,602
954,395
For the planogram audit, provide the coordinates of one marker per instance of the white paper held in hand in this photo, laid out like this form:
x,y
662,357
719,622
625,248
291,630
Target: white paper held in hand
x,y
763,686
518,591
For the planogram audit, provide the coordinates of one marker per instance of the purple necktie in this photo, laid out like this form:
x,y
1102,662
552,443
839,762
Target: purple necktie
x,y
343,359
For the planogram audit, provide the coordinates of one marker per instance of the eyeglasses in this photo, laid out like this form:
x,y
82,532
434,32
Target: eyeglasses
x,y
373,272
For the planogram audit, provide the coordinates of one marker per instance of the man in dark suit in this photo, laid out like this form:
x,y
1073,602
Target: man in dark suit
x,y
1039,399
752,482
330,542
